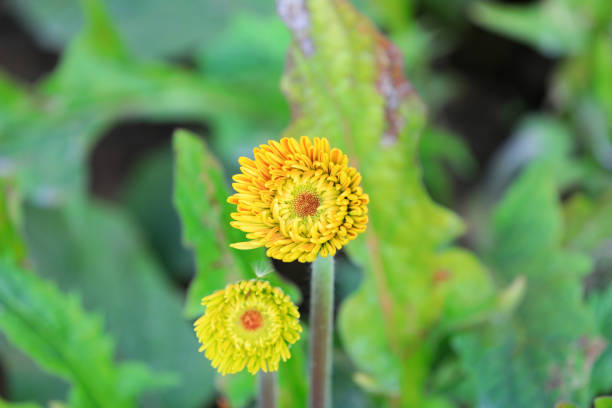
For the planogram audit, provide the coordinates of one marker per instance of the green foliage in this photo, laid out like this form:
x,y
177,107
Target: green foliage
x,y
603,402
440,149
4,404
200,196
409,284
192,23
550,342
97,252
549,25
55,330
428,325
96,83
589,228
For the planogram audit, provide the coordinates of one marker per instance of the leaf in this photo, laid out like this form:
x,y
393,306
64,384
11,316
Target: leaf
x,y
147,196
96,251
603,402
555,27
96,83
536,138
4,404
549,342
55,331
10,222
344,81
440,149
200,196
292,377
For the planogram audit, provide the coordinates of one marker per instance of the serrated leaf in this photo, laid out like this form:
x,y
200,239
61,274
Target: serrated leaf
x,y
344,81
549,343
56,332
96,251
200,196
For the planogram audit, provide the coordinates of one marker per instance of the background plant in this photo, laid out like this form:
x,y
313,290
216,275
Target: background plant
x,y
516,314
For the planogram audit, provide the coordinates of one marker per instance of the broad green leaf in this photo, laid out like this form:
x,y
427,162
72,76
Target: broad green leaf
x,y
603,402
293,377
96,251
55,331
344,81
200,196
552,26
549,343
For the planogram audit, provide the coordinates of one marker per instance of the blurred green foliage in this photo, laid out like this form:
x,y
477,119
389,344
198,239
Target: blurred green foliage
x,y
522,320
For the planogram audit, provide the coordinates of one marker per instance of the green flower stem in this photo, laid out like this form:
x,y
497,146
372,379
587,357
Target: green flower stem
x,y
321,322
267,389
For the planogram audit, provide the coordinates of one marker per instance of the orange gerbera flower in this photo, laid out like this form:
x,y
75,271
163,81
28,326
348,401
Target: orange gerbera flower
x,y
298,199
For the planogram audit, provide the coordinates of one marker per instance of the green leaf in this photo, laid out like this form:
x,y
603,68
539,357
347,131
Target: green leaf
x,y
96,251
565,405
96,84
589,228
552,26
56,332
11,243
147,196
344,81
589,223
439,150
4,404
292,377
549,342
200,196
603,402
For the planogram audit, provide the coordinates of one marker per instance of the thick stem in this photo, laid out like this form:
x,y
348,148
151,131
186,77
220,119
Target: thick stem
x,y
267,390
321,321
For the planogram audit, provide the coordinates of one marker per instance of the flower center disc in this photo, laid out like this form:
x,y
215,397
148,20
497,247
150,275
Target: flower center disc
x,y
306,204
251,320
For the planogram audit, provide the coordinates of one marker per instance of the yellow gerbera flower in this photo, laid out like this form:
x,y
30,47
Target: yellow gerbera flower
x,y
298,199
250,324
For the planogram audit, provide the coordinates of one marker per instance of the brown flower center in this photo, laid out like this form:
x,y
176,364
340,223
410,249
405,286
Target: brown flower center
x,y
251,320
306,204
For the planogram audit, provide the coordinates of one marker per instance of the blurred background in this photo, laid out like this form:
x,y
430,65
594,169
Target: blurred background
x,y
91,93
